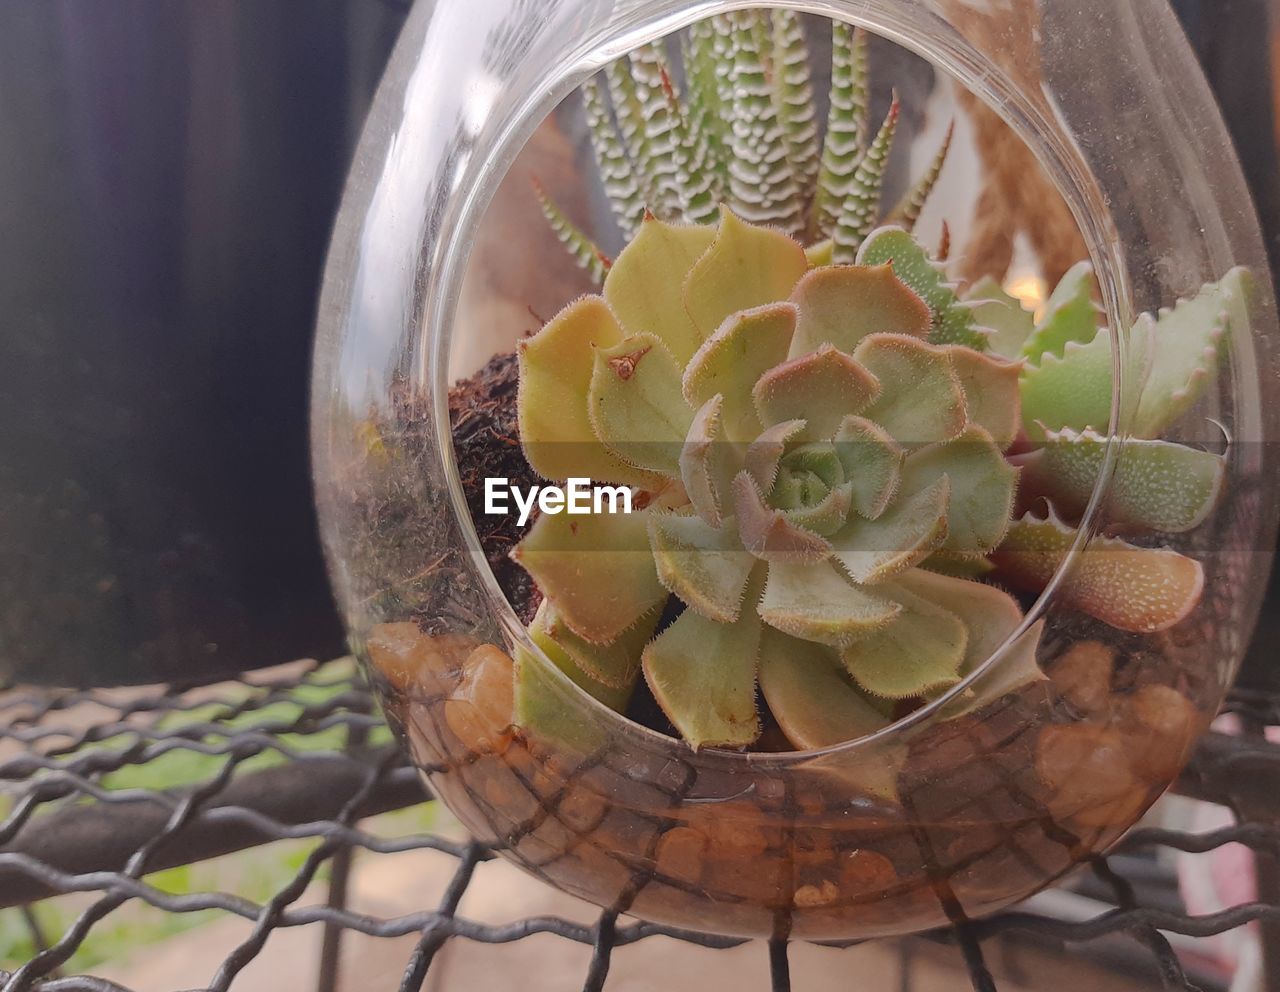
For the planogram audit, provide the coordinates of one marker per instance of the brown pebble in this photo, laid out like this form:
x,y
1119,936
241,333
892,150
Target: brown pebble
x,y
1083,675
480,710
682,853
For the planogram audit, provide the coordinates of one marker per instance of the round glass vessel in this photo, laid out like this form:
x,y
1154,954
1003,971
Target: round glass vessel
x,y
973,798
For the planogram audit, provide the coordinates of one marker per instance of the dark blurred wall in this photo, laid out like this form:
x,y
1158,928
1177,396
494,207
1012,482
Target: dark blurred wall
x,y
169,172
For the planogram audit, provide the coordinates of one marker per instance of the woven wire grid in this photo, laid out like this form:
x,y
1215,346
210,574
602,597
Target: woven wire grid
x,y
301,753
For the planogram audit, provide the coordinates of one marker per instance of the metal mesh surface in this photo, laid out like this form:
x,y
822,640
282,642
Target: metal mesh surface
x,y
100,790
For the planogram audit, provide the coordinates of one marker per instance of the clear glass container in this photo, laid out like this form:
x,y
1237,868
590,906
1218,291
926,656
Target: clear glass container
x,y
981,797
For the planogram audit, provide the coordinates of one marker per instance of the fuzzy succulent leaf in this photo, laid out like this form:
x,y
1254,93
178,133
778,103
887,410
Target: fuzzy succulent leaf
x,y
1069,315
584,251
617,173
861,207
958,566
1157,485
921,400
707,467
814,602
953,321
705,566
911,206
636,406
596,568
991,615
765,452
793,96
615,665
703,675
613,696
645,286
840,305
828,515
906,534
1004,315
923,650
846,126
982,488
767,532
821,388
555,376
1143,590
991,392
810,695
872,461
539,699
745,267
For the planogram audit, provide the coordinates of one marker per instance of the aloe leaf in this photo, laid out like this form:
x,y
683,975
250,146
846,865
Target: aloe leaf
x,y
992,394
745,267
1004,315
953,321
703,675
1069,315
1142,590
645,286
840,305
861,207
1157,485
814,602
762,185
921,400
705,566
793,96
615,665
765,452
707,467
555,376
617,173
809,694
732,360
923,649
911,206
767,533
872,461
903,536
636,406
847,126
596,569
1072,391
982,488
584,251
822,387
664,129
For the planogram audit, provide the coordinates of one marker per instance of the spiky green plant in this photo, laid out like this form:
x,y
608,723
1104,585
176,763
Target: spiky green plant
x,y
743,130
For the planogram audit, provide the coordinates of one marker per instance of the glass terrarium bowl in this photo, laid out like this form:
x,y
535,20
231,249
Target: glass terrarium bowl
x,y
1039,756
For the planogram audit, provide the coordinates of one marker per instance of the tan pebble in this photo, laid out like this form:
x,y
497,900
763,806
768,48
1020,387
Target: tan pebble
x,y
480,710
408,658
1083,675
1163,725
809,896
867,871
1087,772
681,854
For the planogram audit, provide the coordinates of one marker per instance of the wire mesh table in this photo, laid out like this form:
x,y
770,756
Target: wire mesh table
x,y
101,790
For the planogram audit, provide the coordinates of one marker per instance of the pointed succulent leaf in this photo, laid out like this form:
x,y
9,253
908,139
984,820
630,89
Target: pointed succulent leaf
x,y
990,614
731,361
828,515
820,253
923,649
823,387
861,207
767,533
707,466
841,304
911,206
793,96
809,694
953,322
584,251
708,128
1004,315
616,665
663,128
1142,590
1016,668
847,126
814,602
991,392
613,696
636,406
906,534
872,462
703,675
921,400
617,173
628,107
705,566
1069,315
1075,390
644,287
540,697
982,487
1187,348
1157,485
596,569
555,376
745,267
958,566
765,452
